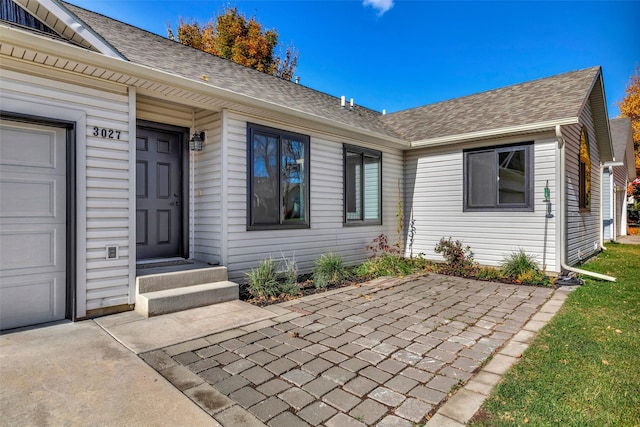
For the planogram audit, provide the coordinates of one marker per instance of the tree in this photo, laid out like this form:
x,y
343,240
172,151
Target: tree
x,y
630,107
240,40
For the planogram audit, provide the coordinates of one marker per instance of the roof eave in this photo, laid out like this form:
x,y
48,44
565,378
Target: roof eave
x,y
494,133
55,47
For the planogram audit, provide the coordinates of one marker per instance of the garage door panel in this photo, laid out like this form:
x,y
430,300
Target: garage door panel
x,y
23,146
24,198
32,299
33,218
32,250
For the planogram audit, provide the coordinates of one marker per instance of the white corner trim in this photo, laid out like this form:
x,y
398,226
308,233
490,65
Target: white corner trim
x,y
132,195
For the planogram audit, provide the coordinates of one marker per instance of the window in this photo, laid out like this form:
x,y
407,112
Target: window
x,y
499,178
585,172
362,186
278,174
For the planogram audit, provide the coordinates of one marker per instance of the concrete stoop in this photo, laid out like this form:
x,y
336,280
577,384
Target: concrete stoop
x,y
165,293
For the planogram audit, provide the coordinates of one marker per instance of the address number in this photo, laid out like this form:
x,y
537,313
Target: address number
x,y
106,133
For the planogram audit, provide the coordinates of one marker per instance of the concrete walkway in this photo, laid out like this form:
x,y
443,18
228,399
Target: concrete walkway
x,y
386,353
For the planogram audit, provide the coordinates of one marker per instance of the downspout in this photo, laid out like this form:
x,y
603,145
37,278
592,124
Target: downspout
x,y
563,218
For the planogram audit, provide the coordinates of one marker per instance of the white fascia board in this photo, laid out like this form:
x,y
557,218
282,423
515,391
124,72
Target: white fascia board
x,y
68,51
492,133
79,27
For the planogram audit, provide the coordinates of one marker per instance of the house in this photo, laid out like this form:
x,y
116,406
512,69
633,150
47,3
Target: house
x,y
122,149
616,177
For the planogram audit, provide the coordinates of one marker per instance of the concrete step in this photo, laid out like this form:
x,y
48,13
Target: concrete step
x,y
177,299
180,279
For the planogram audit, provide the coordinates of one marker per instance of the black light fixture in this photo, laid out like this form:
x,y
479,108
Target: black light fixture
x,y
197,139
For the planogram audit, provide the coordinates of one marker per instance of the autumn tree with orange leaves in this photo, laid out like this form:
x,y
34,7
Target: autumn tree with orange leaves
x,y
232,36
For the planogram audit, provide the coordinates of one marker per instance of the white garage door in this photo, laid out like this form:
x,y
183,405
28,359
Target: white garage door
x,y
32,224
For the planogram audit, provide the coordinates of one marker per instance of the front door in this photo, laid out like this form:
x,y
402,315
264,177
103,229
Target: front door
x,y
159,188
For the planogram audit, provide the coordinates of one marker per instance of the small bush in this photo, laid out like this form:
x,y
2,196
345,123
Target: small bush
x,y
385,265
459,259
329,270
517,263
272,279
488,273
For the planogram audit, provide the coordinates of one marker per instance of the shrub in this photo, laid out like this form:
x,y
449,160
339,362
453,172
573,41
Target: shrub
x,y
488,273
523,267
329,270
517,263
272,279
459,259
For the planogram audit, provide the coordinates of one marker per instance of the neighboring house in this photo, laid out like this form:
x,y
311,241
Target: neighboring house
x,y
98,176
616,176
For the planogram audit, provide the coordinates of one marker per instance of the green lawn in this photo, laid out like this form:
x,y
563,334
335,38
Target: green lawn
x,y
583,369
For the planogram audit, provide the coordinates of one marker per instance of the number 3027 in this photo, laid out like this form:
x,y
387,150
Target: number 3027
x,y
106,133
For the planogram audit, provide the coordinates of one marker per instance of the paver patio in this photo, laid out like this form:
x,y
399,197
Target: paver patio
x,y
389,353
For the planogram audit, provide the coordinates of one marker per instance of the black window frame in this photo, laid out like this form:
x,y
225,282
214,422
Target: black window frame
x,y
361,152
529,203
280,134
584,173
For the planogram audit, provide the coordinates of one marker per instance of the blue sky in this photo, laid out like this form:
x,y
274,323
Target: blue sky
x,y
395,54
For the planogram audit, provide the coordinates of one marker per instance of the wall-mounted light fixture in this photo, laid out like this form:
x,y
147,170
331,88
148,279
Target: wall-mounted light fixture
x,y
197,139
547,200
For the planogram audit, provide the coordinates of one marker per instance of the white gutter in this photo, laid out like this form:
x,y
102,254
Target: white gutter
x,y
74,53
489,133
563,218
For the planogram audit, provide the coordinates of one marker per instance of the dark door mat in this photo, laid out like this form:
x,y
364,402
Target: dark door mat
x,y
163,264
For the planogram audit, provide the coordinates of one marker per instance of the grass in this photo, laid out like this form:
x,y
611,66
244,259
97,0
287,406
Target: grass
x,y
583,369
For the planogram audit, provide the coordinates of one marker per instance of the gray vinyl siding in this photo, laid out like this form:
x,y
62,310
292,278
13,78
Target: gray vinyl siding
x,y
207,191
327,232
107,175
434,197
583,228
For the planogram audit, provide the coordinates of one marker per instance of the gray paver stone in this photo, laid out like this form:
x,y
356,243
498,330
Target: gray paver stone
x,y
247,396
393,421
369,411
316,413
262,358
360,386
333,356
236,416
272,387
203,365
296,398
281,365
375,374
268,408
186,358
427,394
343,420
407,357
387,396
401,384
208,398
209,351
319,386
231,384
238,366
285,419
391,365
300,357
371,356
214,375
317,366
413,409
181,377
339,375
341,400
354,365
158,360
298,377
257,375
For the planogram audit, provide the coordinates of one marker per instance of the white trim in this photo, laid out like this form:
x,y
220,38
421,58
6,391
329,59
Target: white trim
x,y
132,194
44,110
84,31
490,133
224,192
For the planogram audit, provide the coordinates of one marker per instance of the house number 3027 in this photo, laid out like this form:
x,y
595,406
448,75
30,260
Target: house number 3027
x,y
106,133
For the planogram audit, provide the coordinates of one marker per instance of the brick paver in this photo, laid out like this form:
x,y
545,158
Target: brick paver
x,y
386,353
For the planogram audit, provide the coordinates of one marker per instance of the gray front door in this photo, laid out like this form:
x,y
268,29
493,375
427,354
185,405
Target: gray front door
x,y
159,193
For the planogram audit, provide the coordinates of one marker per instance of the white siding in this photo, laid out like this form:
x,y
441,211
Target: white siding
x,y
434,197
607,205
107,177
583,228
207,191
327,232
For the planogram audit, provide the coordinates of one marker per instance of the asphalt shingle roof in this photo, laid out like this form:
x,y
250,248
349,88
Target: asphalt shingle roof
x,y
148,49
620,133
552,98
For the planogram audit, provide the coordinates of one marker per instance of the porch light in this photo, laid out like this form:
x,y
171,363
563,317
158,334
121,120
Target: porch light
x,y
547,193
195,144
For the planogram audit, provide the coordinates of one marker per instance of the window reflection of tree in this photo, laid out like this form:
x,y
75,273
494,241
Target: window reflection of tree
x,y
292,179
265,178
